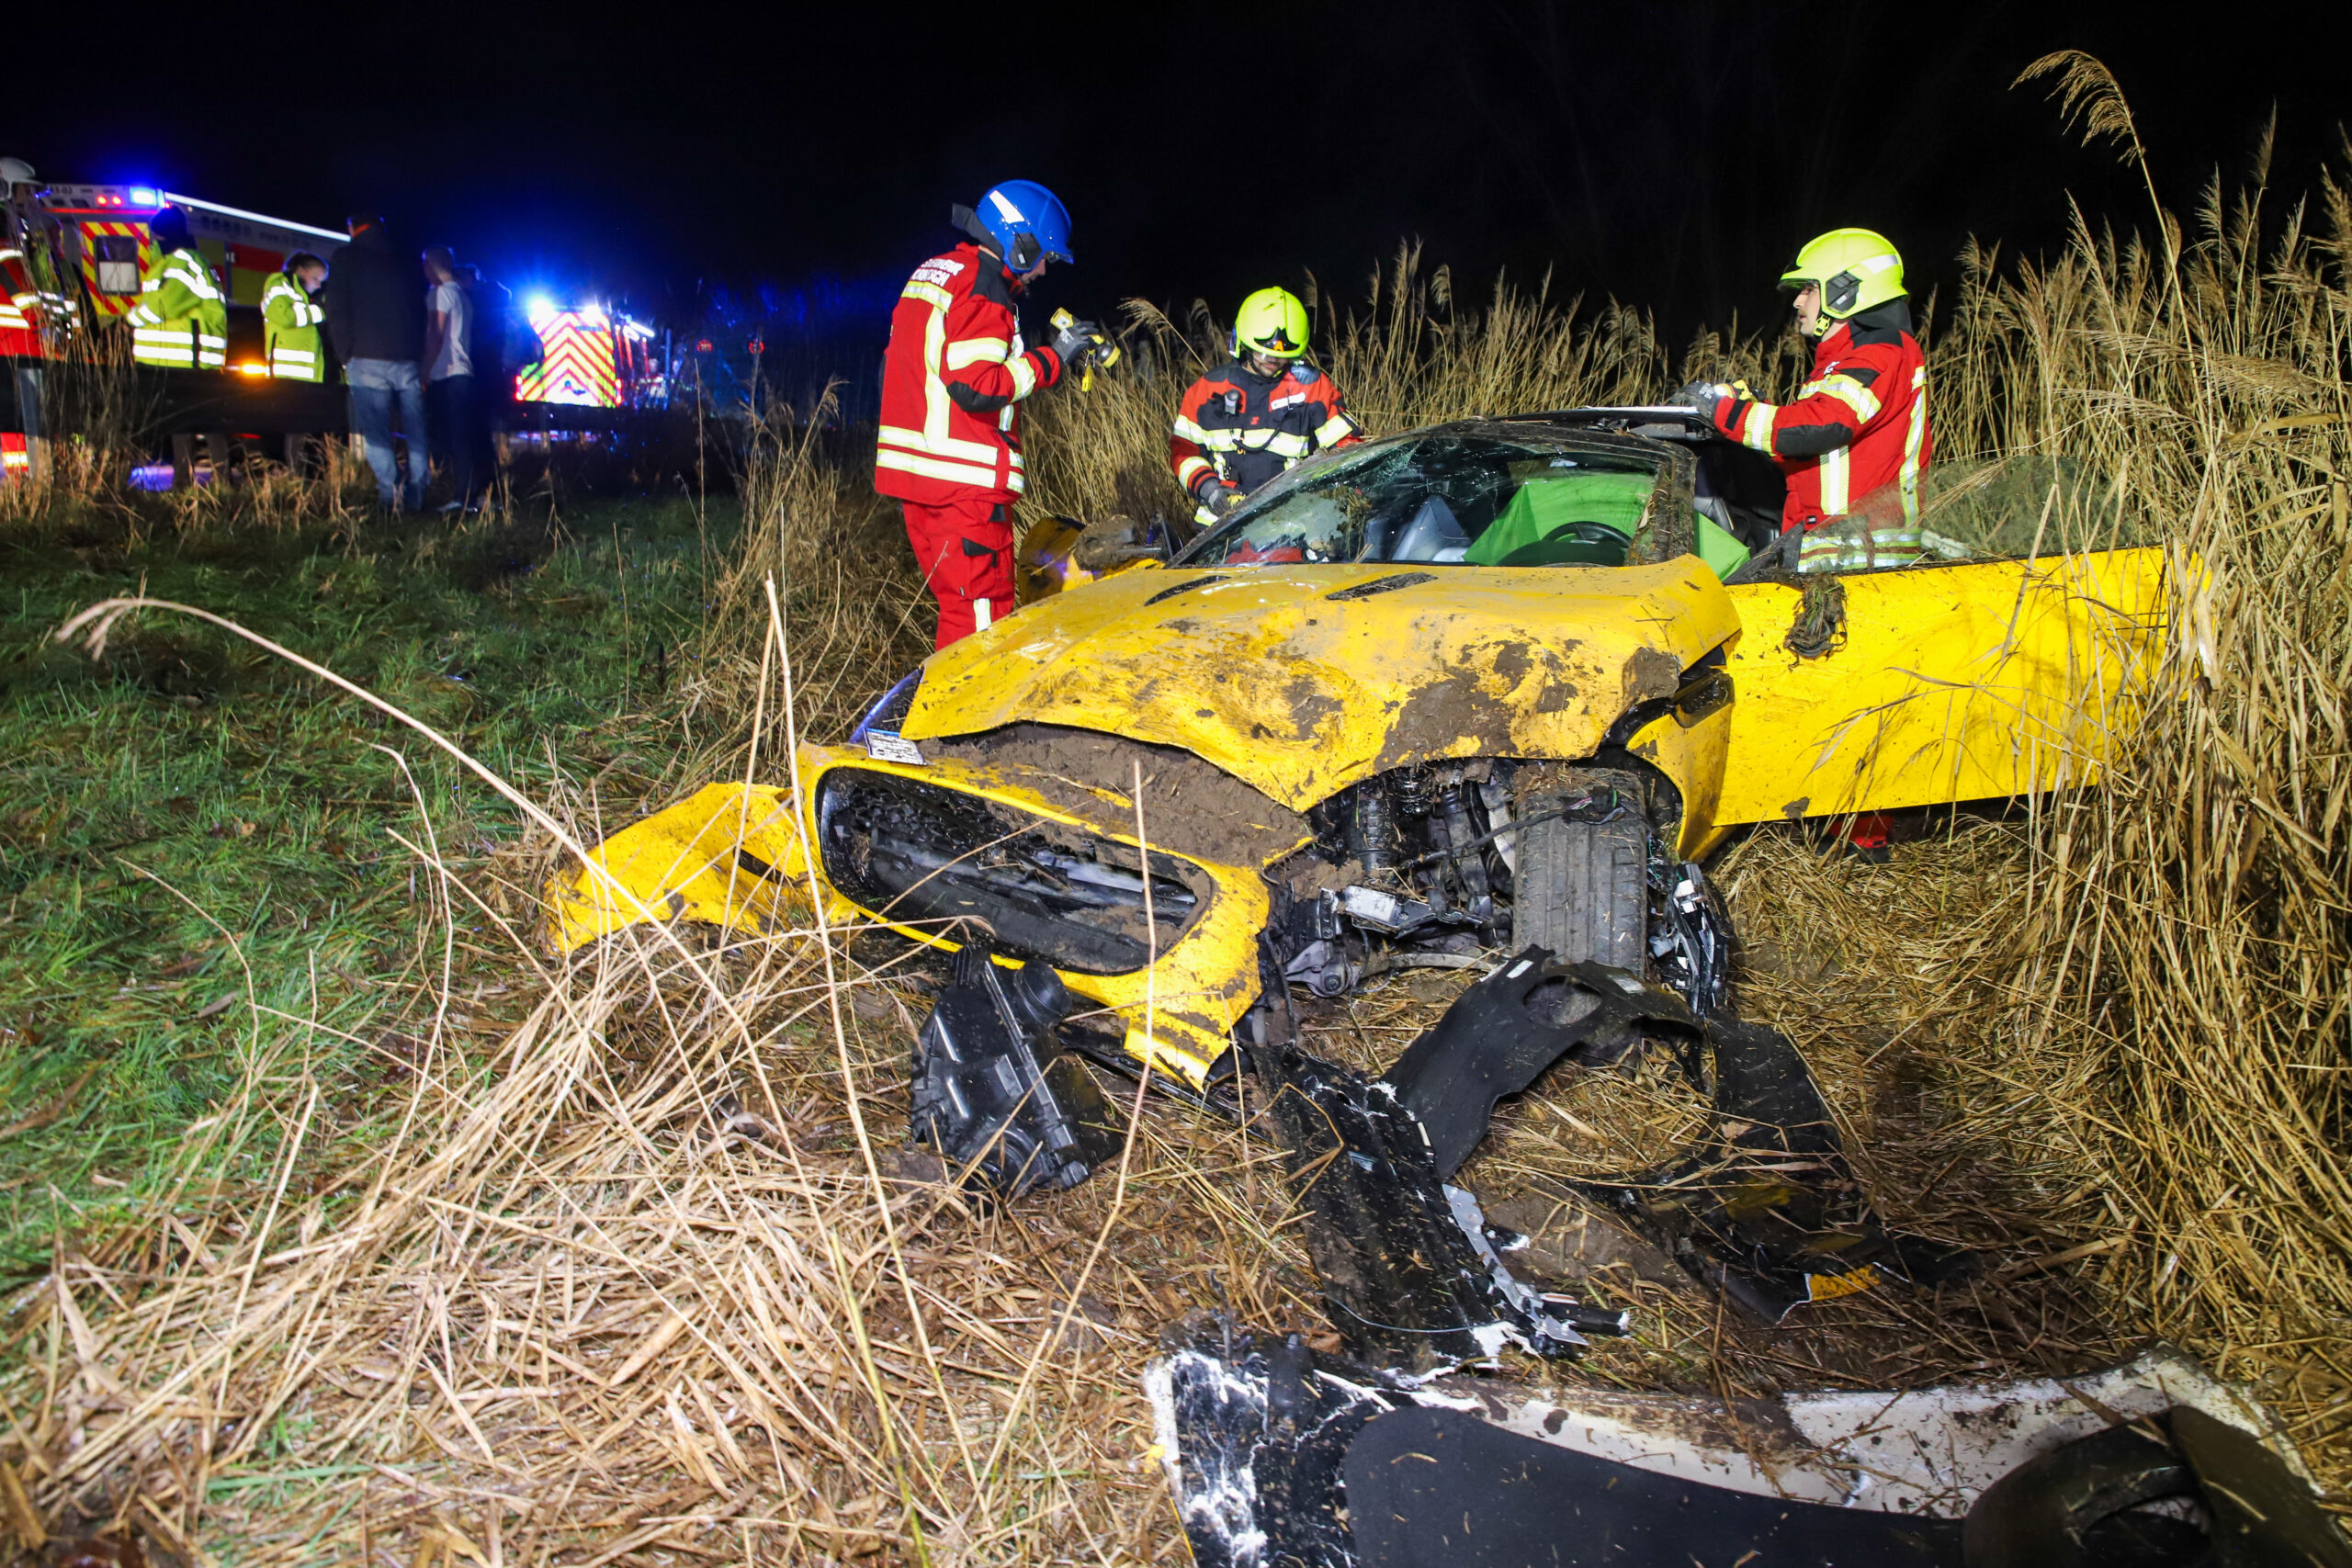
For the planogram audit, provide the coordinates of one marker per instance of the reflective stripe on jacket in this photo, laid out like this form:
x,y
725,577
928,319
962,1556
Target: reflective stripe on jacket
x,y
290,327
181,321
20,302
1236,425
1858,426
952,380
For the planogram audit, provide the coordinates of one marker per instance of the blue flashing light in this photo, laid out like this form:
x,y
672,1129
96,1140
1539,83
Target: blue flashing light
x,y
141,195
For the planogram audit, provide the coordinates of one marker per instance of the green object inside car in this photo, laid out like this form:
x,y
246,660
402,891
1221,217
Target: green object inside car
x,y
1723,553
1578,507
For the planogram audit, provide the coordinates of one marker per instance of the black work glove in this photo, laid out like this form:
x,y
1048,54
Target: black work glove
x,y
1703,396
1220,496
1075,342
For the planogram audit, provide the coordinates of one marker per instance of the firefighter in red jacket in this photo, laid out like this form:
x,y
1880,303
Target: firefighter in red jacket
x,y
1855,439
23,301
1261,413
953,381
29,301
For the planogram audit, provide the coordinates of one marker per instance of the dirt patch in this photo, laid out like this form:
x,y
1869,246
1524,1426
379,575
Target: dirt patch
x,y
1310,705
1189,806
1437,717
1651,674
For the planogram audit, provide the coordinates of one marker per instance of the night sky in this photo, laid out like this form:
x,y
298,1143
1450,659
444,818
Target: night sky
x,y
1671,155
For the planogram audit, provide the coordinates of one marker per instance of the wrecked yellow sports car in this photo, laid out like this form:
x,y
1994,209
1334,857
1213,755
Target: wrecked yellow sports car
x,y
1474,686
1480,696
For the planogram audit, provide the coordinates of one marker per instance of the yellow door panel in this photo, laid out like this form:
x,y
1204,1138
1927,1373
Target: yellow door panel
x,y
1968,681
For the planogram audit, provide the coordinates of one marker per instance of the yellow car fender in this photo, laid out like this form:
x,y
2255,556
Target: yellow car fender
x,y
735,856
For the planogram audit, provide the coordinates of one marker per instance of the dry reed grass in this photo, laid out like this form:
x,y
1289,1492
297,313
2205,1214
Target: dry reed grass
x,y
643,1284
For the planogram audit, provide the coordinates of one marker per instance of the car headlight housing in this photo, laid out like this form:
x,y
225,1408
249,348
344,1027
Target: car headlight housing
x,y
917,854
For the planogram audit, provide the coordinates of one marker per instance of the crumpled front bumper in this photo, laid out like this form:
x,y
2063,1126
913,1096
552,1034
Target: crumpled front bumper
x,y
738,856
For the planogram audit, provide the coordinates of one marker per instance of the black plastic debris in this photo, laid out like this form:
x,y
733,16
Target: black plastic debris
x,y
2180,1491
1281,1457
1262,1429
1763,1208
1441,1489
1503,1033
1411,1272
995,1093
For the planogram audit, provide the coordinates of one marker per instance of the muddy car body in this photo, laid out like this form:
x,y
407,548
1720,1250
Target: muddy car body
x,y
1462,689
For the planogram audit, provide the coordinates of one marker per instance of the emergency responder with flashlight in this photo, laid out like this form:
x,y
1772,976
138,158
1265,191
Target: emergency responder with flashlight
x,y
952,380
1262,413
1854,443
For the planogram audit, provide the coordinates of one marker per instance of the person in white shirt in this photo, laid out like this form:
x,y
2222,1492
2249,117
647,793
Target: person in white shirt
x,y
451,401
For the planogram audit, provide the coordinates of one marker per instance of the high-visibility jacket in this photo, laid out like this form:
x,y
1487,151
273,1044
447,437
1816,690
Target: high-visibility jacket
x,y
1243,428
1855,439
953,379
181,321
20,303
291,328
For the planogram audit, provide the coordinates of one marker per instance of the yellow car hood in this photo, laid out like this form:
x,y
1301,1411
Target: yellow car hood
x,y
1302,680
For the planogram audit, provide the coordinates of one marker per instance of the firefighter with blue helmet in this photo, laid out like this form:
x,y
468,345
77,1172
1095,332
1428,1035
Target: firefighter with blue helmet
x,y
953,381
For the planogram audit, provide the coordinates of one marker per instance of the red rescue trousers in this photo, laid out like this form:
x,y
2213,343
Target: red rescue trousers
x,y
965,551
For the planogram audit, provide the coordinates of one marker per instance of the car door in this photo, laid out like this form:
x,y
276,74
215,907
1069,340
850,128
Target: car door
x,y
1966,680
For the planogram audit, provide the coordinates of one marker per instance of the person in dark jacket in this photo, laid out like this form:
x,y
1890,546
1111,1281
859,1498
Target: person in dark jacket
x,y
494,309
375,305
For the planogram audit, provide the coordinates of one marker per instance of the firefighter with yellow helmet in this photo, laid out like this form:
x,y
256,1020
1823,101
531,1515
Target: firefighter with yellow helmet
x,y
1262,411
1855,440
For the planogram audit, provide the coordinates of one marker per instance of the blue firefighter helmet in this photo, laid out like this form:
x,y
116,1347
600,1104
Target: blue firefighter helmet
x,y
1025,222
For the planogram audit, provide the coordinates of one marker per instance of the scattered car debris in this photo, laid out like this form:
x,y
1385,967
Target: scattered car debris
x,y
1278,1454
1764,1208
995,1093
1413,1273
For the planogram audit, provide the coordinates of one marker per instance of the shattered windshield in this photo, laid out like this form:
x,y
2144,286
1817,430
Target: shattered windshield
x,y
1443,498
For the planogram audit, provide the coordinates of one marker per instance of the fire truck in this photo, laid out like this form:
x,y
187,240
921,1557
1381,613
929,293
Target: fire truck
x,y
99,246
590,357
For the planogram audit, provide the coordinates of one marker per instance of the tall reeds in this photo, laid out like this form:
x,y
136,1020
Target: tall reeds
x,y
2189,930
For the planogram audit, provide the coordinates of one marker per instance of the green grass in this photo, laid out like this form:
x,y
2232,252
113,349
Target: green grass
x,y
190,810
